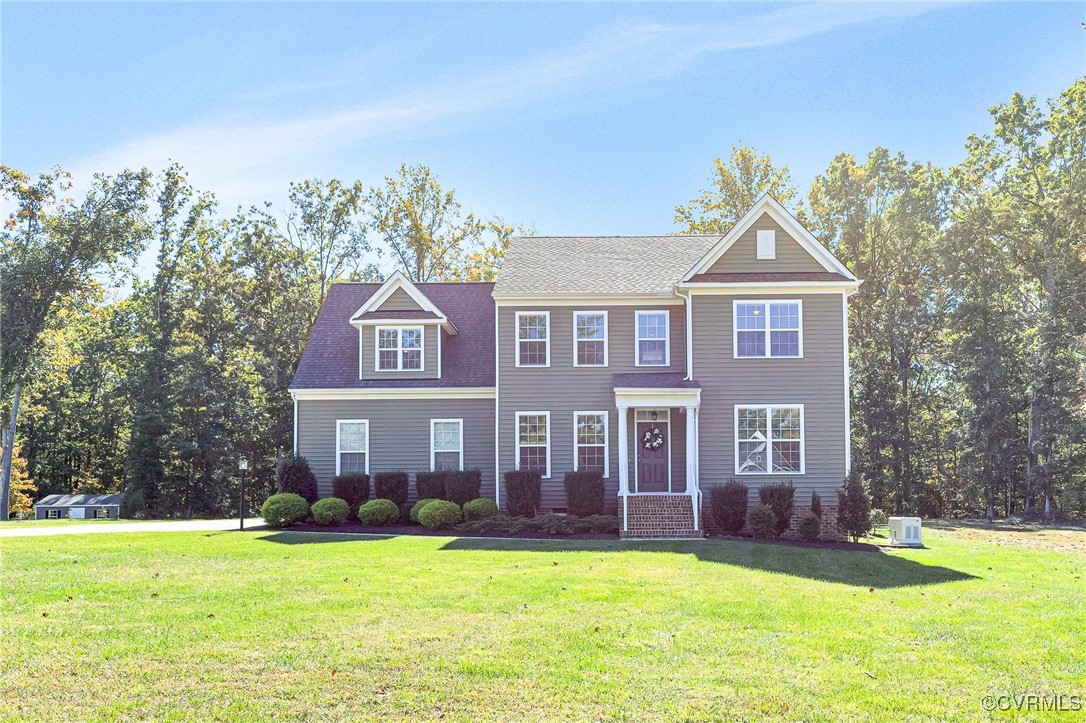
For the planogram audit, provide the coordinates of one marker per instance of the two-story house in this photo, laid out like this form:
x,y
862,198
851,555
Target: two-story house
x,y
669,363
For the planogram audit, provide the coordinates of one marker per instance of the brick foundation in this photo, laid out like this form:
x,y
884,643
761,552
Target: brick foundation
x,y
829,522
659,516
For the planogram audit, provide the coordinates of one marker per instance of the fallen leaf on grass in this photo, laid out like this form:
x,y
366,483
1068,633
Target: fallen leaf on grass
x,y
869,675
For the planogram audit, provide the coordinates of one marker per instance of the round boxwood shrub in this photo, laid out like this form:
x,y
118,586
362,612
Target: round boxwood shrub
x,y
284,509
378,513
330,511
440,513
417,507
810,526
762,521
479,509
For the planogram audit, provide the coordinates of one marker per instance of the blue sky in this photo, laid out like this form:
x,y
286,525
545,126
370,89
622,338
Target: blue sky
x,y
593,118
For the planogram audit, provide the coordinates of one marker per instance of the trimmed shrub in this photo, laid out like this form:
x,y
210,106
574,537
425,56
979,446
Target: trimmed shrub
x,y
378,513
479,509
295,476
762,521
330,511
816,505
413,515
464,486
584,493
284,509
430,485
810,527
879,519
440,513
390,486
549,524
728,506
854,507
781,499
354,489
497,523
522,492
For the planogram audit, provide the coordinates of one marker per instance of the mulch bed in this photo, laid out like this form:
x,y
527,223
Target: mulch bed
x,y
823,544
355,528
401,529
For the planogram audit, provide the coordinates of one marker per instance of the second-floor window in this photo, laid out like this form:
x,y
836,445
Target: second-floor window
x,y
399,349
768,329
590,338
652,339
533,339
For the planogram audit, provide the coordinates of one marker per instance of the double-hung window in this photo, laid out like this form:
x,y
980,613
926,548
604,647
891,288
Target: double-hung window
x,y
534,442
769,439
653,339
399,349
533,338
352,446
590,442
590,338
446,445
765,329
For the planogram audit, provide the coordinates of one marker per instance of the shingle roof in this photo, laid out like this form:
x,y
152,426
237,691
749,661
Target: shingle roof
x,y
598,264
653,380
330,360
79,500
409,314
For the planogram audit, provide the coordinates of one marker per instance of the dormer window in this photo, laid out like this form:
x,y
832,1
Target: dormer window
x,y
399,349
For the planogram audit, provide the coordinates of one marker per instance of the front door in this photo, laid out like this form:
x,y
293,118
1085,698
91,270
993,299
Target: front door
x,y
652,456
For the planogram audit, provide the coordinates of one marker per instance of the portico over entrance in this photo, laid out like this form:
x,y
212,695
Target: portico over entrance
x,y
658,453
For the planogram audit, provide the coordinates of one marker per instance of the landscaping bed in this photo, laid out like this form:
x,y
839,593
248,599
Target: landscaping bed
x,y
409,529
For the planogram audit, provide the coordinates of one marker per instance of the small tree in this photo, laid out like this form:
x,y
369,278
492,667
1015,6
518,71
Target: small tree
x,y
816,505
295,476
854,507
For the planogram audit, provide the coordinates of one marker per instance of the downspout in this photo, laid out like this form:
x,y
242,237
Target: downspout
x,y
295,424
497,411
689,305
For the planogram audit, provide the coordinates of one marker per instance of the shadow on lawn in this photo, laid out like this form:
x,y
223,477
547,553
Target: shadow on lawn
x,y
848,567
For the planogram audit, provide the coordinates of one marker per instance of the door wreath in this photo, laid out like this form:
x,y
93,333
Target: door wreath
x,y
652,438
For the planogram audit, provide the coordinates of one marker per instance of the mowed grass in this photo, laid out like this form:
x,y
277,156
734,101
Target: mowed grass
x,y
295,626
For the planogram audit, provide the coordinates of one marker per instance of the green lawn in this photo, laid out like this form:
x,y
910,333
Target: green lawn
x,y
265,625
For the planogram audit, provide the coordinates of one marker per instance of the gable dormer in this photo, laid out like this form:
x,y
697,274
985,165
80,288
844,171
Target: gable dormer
x,y
768,240
400,332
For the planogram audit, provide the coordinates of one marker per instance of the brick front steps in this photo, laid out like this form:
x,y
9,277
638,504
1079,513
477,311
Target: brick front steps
x,y
659,516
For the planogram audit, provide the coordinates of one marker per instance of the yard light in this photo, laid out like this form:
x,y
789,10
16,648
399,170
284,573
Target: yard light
x,y
243,464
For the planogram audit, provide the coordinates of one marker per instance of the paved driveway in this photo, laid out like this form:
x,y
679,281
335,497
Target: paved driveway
x,y
96,528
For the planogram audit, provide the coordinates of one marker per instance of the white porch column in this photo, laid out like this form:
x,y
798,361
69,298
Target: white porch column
x,y
692,463
623,461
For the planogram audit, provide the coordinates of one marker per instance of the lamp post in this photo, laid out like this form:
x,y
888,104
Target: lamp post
x,y
243,464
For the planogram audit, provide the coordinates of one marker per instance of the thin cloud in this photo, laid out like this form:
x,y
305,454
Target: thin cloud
x,y
246,160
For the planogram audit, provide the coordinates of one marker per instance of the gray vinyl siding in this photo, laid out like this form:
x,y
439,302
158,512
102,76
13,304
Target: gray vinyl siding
x,y
742,257
399,435
563,389
817,381
399,300
430,366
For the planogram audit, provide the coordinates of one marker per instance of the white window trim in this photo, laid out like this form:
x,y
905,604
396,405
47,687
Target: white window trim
x,y
667,337
433,451
606,443
98,513
399,348
339,452
769,439
576,341
516,431
52,514
768,328
768,236
517,339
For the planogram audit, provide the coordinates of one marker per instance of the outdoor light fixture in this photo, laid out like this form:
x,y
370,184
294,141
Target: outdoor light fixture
x,y
655,415
243,464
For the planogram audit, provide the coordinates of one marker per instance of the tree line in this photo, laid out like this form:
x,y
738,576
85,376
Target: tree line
x,y
967,337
